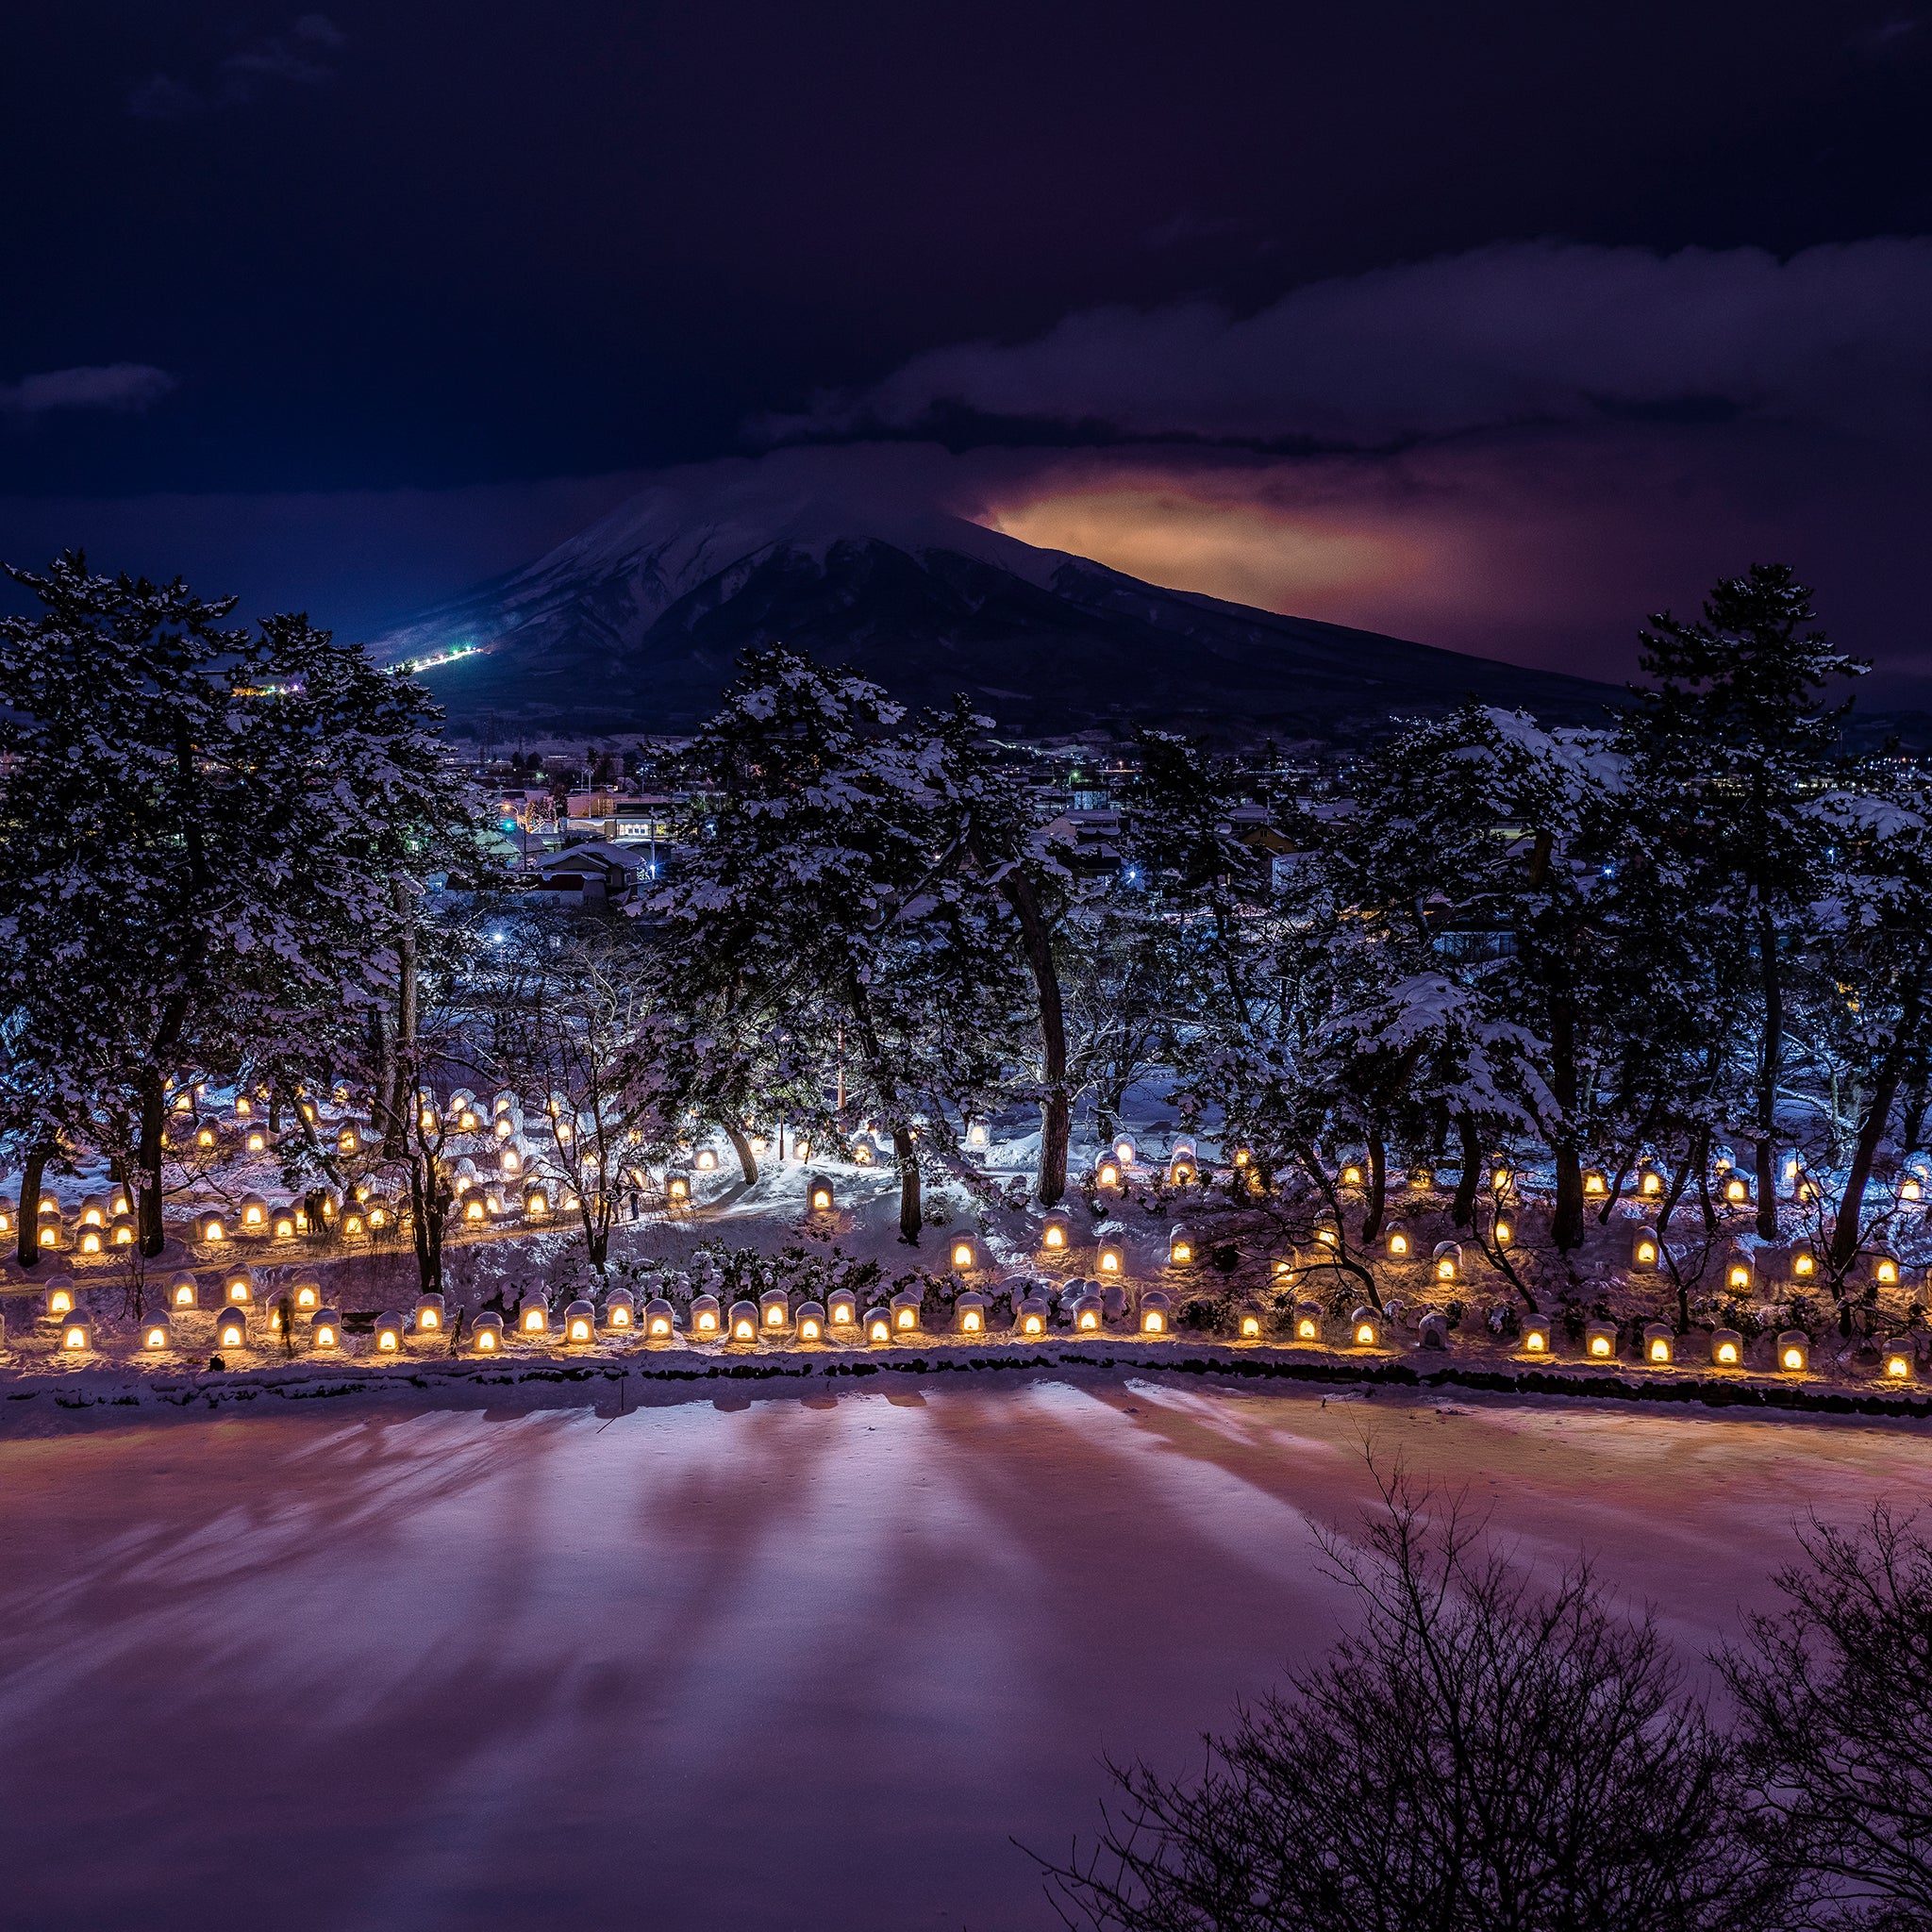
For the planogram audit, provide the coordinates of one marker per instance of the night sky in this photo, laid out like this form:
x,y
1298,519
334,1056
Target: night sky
x,y
1492,325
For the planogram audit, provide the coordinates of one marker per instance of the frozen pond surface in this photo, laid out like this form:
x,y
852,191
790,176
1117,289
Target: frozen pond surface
x,y
778,1662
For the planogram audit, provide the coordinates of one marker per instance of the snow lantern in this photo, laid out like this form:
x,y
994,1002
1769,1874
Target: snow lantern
x,y
183,1290
1399,1245
90,1241
863,1152
1726,1349
660,1320
1155,1316
475,1210
533,1314
1351,1175
817,1194
350,1137
304,1292
389,1335
775,1311
707,1321
841,1308
579,1323
283,1223
707,1160
1112,1260
244,1107
253,1217
878,1325
1737,1190
1646,1250
1885,1269
1307,1322
1086,1314
486,1334
231,1325
354,1221
210,1226
502,1102
1180,1246
1365,1328
964,1254
1738,1270
1594,1185
1650,1184
1248,1329
256,1139
50,1231
77,1334
743,1322
121,1232
237,1285
536,1201
1793,1351
465,1176
1123,1150
1183,1170
1600,1340
812,1322
620,1310
325,1331
1897,1365
906,1309
61,1296
1804,1262
1448,1260
1538,1335
204,1137
93,1211
156,1333
969,1311
503,1128
1032,1316
430,1314
1660,1344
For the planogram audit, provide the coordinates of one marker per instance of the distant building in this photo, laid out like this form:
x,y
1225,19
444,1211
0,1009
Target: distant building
x,y
595,872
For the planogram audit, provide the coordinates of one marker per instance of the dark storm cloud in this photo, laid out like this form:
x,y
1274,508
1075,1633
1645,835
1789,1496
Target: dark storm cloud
x,y
115,386
1500,337
299,56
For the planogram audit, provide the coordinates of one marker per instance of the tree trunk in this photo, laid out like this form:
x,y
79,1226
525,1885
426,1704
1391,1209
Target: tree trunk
x,y
29,1246
747,1162
1472,1171
910,1219
1055,1108
425,1220
1566,1224
402,1101
1844,1231
1770,1063
154,1236
1378,1184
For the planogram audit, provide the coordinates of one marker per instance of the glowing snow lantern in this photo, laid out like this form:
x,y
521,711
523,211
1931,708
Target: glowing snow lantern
x,y
1726,1349
841,1308
1448,1259
204,1137
244,1107
354,1221
51,1233
1898,1365
1645,1251
238,1286
1650,1184
475,1210
1108,1174
963,1253
1055,1234
1538,1335
1911,1189
1884,1269
1086,1314
1737,1271
977,1137
1365,1328
1737,1190
211,1227
389,1335
1352,1174
1793,1351
1282,1266
349,1138
254,1216
77,1334
1155,1318
1398,1244
864,1154
429,1315
1600,1340
706,1161
61,1297
878,1325
1594,1184
1180,1246
706,1320
774,1310
121,1234
184,1102
1804,1263
1031,1316
533,1315
1112,1260
1184,1166
536,1202
89,1243
92,1211
504,1127
812,1322
325,1331
510,1161
1660,1343
1250,1325
620,1310
743,1322
486,1334
968,1310
817,1194
1307,1321
1124,1149
579,1323
156,1333
284,1224
183,1290
660,1320
906,1311
305,1293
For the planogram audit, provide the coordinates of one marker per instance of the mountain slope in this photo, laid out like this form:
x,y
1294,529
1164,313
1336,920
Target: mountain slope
x,y
636,623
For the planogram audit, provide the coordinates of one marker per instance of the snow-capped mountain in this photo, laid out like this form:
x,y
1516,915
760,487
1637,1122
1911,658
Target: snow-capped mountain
x,y
636,623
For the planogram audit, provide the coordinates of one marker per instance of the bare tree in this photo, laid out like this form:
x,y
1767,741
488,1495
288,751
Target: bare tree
x,y
1834,1694
1484,1752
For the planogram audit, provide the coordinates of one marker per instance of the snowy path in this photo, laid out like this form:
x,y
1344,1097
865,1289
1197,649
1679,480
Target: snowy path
x,y
769,1662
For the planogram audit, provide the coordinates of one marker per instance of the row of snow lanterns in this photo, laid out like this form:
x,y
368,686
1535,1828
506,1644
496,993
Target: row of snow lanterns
x,y
1660,1342
1183,1163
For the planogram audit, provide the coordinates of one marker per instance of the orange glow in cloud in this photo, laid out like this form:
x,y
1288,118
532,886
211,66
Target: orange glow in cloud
x,y
1243,551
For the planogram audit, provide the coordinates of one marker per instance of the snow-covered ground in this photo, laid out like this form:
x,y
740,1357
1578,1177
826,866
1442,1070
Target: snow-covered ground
x,y
760,1660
